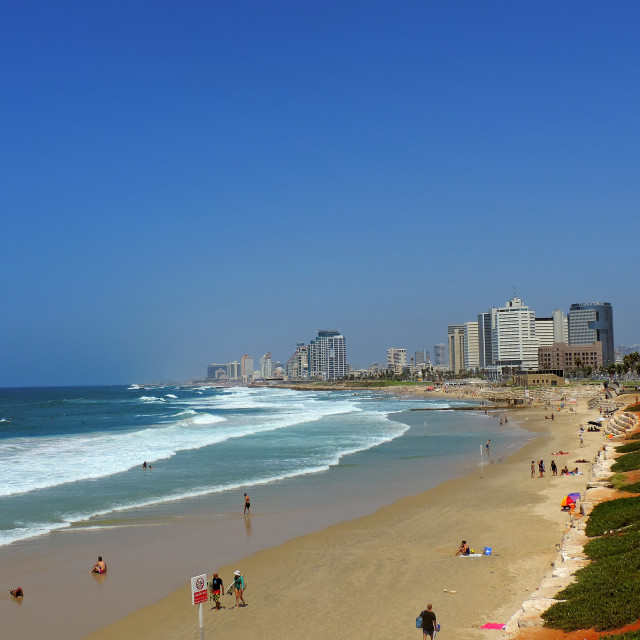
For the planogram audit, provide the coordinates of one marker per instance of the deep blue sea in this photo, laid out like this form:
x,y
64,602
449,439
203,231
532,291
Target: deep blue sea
x,y
73,456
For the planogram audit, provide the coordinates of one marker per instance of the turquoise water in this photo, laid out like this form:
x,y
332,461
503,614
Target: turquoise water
x,y
73,456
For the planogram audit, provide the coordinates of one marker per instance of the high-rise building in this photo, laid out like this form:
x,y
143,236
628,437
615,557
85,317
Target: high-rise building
x,y
484,340
234,371
266,366
422,359
396,359
440,355
217,371
471,346
298,363
560,326
591,322
328,355
455,337
552,330
246,368
513,336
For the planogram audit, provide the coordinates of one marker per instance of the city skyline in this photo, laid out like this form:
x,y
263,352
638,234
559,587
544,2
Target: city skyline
x,y
187,183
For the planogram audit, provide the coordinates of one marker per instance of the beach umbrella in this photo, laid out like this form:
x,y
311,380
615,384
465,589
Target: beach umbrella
x,y
570,499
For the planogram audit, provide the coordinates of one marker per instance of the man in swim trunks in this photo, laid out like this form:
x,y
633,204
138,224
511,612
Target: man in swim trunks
x,y
247,504
217,589
17,592
100,566
428,622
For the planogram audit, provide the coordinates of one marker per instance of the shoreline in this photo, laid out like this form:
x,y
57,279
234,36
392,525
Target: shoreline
x,y
408,540
151,552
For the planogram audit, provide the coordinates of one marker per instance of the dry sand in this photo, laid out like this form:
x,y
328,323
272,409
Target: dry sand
x,y
371,576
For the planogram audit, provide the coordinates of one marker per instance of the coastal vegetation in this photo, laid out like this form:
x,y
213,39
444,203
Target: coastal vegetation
x,y
604,596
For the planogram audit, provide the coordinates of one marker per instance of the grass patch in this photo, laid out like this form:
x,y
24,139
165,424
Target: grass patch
x,y
629,447
613,515
605,595
634,436
629,635
627,462
618,480
635,407
633,487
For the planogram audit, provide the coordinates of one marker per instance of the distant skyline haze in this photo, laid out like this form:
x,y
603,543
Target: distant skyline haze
x,y
185,183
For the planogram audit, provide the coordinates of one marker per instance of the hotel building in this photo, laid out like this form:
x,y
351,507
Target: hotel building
x,y
591,322
328,356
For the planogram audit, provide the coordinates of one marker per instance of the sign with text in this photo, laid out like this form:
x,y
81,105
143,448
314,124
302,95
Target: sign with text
x,y
199,593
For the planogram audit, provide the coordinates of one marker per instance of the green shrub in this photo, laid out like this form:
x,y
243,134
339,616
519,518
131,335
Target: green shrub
x,y
634,487
627,462
634,436
613,515
612,545
629,447
630,635
605,595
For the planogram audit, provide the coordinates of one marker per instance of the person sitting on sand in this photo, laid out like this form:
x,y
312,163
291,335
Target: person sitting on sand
x,y
100,566
463,549
17,592
565,471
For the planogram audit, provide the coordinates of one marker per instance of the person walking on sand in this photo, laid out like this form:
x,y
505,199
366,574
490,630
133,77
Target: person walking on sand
x,y
533,469
554,468
217,589
247,504
581,441
239,587
100,566
428,622
541,468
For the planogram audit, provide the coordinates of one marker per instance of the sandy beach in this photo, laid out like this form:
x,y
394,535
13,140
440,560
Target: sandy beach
x,y
371,576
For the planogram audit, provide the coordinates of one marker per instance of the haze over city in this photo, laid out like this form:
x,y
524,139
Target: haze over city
x,y
186,183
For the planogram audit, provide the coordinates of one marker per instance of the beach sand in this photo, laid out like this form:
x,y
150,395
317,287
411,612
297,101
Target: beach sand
x,y
371,576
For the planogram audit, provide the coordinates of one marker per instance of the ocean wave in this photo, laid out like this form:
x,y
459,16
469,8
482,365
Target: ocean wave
x,y
151,399
316,464
170,395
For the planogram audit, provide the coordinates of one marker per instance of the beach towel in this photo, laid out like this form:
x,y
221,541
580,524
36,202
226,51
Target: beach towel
x,y
472,555
493,625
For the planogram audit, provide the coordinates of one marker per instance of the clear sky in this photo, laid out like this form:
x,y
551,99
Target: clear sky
x,y
184,182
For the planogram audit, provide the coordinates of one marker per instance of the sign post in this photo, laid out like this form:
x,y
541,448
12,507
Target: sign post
x,y
199,594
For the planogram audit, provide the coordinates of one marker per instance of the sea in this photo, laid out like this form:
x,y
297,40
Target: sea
x,y
72,457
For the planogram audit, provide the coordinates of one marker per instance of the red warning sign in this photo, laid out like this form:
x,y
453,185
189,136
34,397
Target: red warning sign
x,y
199,592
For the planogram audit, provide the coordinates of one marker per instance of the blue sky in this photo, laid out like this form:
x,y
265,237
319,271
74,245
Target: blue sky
x,y
182,183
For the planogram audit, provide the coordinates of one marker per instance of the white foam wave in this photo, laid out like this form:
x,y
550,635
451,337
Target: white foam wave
x,y
151,399
322,462
134,387
170,395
